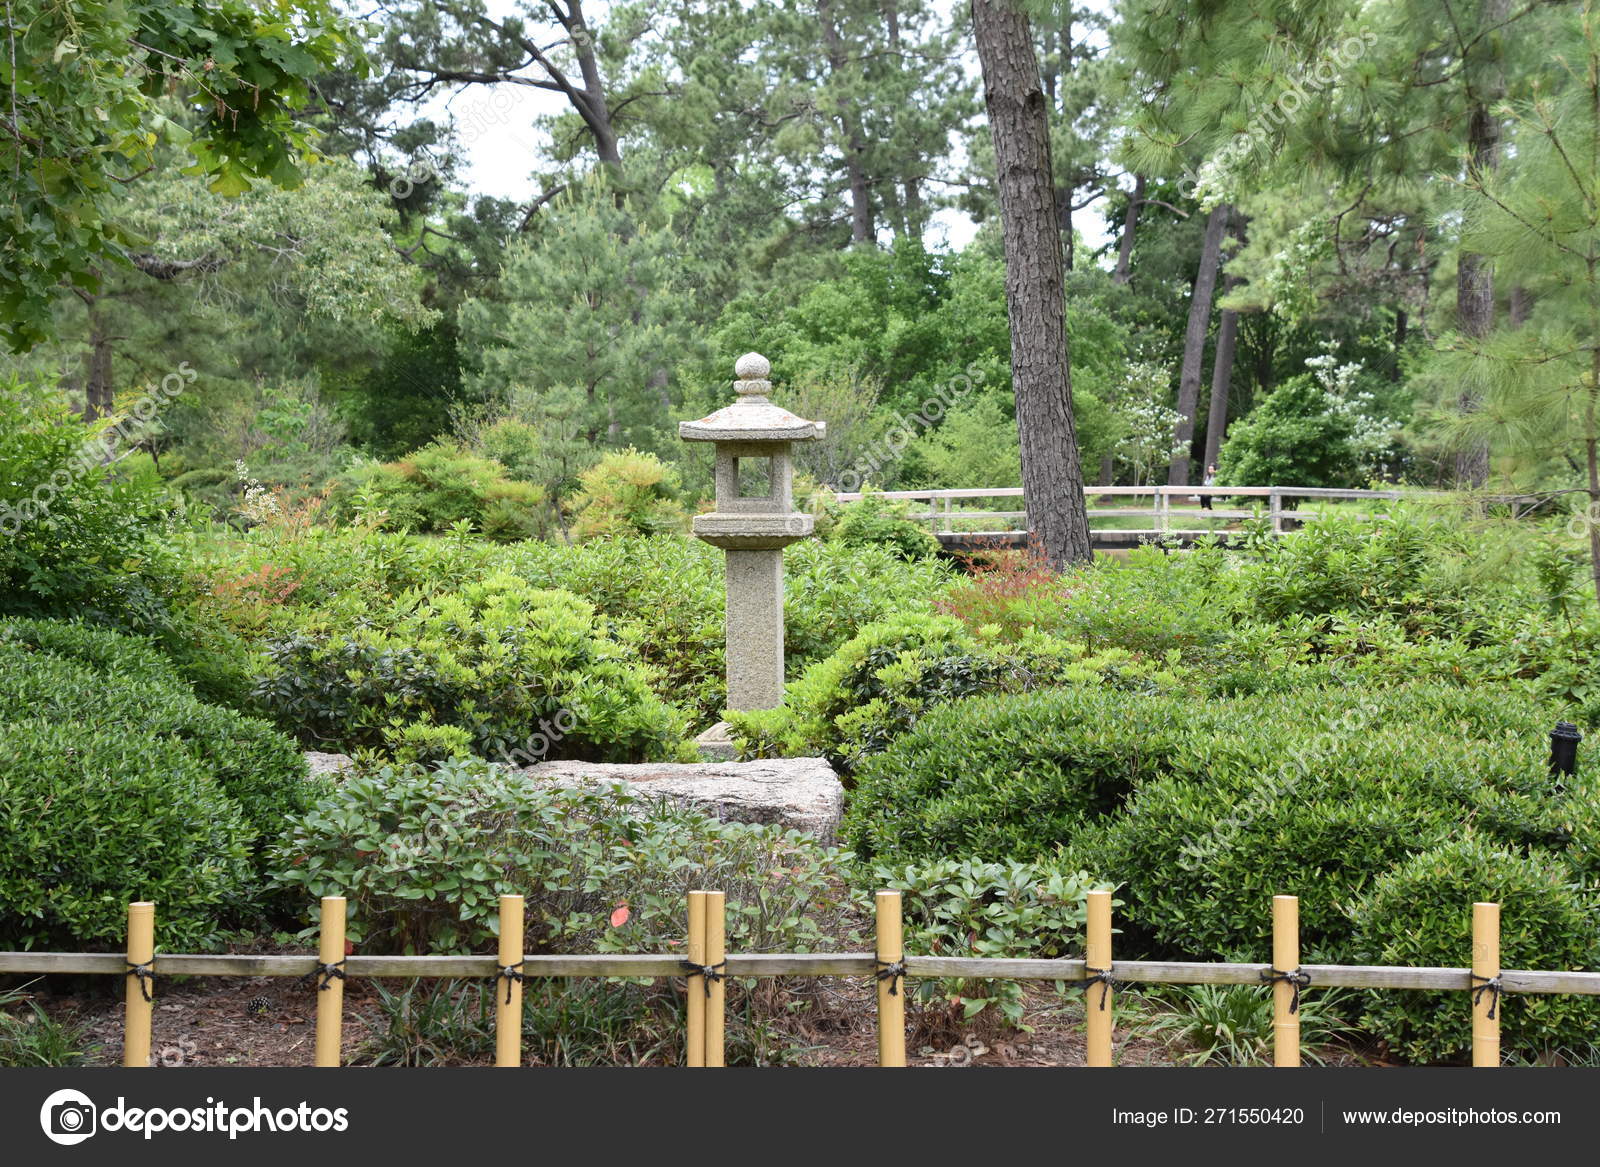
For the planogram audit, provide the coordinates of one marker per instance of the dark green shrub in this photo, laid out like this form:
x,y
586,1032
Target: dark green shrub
x,y
215,487
870,689
94,818
423,854
1199,859
880,682
118,684
131,658
832,591
1401,567
1153,604
1008,776
77,538
1420,913
662,596
1295,434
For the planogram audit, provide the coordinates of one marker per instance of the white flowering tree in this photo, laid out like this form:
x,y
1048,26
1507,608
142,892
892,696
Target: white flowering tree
x,y
1145,420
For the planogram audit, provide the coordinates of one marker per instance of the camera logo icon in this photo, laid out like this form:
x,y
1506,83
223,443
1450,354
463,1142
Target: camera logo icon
x,y
68,1117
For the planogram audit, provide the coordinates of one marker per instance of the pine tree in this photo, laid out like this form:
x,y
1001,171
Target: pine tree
x,y
1041,371
585,302
1536,217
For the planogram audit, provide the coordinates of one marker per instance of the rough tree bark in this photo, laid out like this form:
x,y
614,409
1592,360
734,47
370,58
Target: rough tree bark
x,y
862,229
1194,344
1052,478
1222,364
1221,380
1129,221
99,393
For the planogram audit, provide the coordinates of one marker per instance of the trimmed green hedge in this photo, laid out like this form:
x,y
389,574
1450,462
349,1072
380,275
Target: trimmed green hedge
x,y
93,818
1203,810
1420,913
104,681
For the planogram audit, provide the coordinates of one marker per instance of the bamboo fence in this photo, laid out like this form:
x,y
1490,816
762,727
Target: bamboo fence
x,y
707,966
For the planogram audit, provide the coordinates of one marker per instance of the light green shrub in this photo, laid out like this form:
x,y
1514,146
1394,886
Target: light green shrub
x,y
970,908
423,856
529,674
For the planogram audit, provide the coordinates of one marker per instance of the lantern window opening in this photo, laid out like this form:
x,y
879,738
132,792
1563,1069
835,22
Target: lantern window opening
x,y
755,477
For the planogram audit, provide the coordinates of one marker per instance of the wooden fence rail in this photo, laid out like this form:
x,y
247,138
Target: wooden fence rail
x,y
940,515
706,966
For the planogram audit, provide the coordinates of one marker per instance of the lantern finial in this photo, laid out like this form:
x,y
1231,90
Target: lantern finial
x,y
751,371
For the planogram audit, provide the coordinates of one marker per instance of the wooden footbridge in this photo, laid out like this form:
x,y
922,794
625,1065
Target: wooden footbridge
x,y
1172,514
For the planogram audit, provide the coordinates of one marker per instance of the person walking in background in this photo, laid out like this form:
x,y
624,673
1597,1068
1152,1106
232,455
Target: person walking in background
x,y
1210,480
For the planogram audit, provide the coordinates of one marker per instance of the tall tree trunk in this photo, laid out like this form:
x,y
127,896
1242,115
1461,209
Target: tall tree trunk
x,y
99,394
1486,85
1064,223
1194,343
862,229
909,186
1518,304
1400,322
1221,381
1130,220
1041,376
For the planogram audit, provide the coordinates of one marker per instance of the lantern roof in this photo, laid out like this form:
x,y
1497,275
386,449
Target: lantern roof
x,y
752,418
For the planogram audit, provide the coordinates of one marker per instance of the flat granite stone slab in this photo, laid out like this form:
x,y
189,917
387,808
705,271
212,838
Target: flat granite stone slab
x,y
802,793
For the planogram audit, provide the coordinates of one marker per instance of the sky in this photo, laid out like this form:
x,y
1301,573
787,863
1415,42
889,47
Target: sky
x,y
499,144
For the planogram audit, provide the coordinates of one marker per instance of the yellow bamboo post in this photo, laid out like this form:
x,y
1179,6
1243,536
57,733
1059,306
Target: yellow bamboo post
x,y
1486,985
695,1055
716,955
330,987
1285,993
139,989
1097,1001
508,1001
891,957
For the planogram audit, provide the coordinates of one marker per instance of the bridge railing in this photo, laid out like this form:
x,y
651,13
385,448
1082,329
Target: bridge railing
x,y
938,507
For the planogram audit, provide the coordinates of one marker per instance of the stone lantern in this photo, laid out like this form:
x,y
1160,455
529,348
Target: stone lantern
x,y
754,521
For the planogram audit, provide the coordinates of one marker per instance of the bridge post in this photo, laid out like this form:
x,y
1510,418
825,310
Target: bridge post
x,y
1275,503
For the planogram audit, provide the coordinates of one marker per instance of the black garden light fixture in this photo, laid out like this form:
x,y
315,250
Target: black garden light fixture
x,y
1564,739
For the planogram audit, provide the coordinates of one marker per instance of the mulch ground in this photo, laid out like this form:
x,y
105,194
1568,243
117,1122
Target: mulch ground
x,y
209,1021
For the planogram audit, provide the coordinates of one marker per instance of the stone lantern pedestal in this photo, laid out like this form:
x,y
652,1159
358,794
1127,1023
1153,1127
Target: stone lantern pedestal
x,y
754,521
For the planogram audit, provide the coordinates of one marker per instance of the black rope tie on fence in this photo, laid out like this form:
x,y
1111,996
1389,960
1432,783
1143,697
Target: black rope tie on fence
x,y
1295,979
893,971
144,975
710,972
328,972
1492,986
1107,981
511,973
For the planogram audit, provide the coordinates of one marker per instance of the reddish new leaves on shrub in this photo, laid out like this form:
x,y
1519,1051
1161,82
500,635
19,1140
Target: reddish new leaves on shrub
x,y
1001,586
